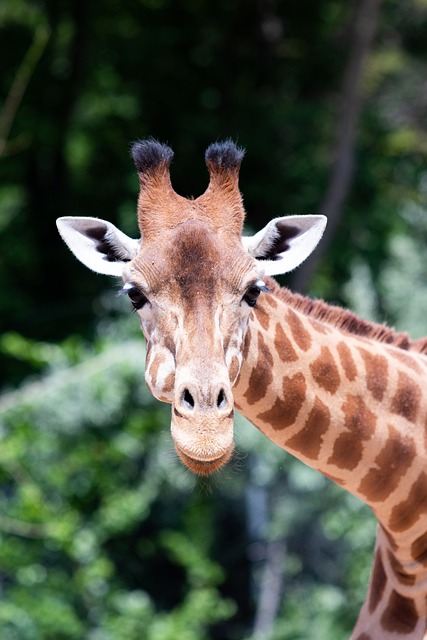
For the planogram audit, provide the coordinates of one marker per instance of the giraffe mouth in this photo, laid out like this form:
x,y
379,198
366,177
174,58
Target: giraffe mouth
x,y
204,467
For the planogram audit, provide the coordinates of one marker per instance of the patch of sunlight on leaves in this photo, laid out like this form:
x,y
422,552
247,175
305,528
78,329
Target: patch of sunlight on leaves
x,y
31,575
385,61
350,516
201,571
53,612
304,478
406,139
269,457
201,607
135,604
127,444
132,617
114,103
12,199
35,353
94,578
24,12
360,291
122,510
63,400
313,611
84,546
79,151
16,623
404,277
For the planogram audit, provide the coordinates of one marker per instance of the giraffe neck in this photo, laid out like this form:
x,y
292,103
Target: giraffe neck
x,y
351,407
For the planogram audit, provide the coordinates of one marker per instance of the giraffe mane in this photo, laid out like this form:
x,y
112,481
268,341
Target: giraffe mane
x,y
346,320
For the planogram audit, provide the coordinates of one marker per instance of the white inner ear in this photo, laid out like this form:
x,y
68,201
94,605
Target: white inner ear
x,y
259,244
298,235
98,244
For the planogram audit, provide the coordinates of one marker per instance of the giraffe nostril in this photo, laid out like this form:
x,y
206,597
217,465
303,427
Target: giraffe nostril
x,y
221,400
188,400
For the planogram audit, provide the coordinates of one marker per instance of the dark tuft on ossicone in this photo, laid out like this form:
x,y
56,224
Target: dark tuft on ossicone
x,y
224,155
150,154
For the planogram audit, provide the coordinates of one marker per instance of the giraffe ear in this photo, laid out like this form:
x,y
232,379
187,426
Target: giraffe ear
x,y
98,244
285,242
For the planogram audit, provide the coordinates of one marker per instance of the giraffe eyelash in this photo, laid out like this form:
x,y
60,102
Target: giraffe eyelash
x,y
136,296
261,286
125,289
253,292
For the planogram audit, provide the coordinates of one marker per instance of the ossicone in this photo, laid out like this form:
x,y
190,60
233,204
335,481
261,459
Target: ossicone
x,y
222,197
156,195
151,155
224,156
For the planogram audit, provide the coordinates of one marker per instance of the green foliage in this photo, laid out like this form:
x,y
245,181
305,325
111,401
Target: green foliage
x,y
81,468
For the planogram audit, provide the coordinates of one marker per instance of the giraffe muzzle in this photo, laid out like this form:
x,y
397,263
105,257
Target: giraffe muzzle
x,y
202,426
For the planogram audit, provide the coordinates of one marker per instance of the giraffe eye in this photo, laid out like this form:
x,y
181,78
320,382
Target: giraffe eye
x,y
252,294
137,298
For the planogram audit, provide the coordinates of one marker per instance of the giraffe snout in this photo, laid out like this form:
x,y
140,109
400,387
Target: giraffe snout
x,y
191,399
202,425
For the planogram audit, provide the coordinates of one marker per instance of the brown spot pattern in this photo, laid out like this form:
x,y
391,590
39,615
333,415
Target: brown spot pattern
x,y
247,344
262,317
391,465
400,573
407,398
169,383
309,439
275,415
407,512
378,582
154,368
325,371
271,301
299,333
317,326
234,368
360,424
284,412
376,373
419,549
390,539
261,376
347,361
283,346
400,616
406,359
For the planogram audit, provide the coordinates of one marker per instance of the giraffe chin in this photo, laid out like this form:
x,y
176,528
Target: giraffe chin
x,y
204,467
204,440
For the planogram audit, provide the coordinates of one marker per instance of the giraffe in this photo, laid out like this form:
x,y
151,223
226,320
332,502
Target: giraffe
x,y
341,394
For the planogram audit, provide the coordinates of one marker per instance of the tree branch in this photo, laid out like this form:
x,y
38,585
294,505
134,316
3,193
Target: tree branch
x,y
271,589
342,171
20,84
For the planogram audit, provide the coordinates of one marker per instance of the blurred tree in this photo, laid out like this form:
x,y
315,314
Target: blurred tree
x,y
365,24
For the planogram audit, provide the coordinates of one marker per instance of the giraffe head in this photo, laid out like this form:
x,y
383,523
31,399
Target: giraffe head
x,y
194,281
